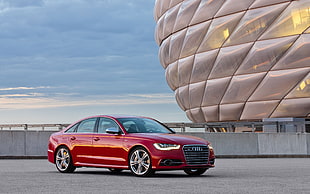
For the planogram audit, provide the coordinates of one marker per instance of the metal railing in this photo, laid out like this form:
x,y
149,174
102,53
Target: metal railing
x,y
38,127
241,126
186,127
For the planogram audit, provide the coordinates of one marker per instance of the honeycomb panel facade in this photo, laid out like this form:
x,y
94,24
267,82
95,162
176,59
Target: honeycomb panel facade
x,y
231,60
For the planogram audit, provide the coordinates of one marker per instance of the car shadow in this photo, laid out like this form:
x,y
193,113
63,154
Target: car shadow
x,y
159,174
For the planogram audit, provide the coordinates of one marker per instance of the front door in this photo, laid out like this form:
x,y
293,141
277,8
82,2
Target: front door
x,y
108,148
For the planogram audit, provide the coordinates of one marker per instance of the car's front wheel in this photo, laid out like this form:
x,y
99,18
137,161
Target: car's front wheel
x,y
63,160
140,162
195,171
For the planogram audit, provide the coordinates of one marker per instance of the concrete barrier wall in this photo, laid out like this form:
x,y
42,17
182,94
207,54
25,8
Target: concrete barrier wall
x,y
283,144
231,143
12,143
308,144
258,144
34,143
24,143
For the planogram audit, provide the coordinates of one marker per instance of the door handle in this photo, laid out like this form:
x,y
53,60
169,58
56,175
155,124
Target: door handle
x,y
96,138
73,138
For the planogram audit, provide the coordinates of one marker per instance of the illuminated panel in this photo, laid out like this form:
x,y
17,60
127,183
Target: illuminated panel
x,y
265,54
294,20
229,61
302,90
254,23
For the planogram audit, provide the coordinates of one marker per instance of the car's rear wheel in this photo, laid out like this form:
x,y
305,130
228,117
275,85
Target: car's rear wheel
x,y
140,162
63,160
195,171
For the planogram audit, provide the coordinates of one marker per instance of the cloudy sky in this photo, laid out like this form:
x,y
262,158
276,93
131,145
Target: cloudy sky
x,y
62,60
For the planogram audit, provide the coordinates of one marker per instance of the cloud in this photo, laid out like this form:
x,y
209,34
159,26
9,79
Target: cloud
x,y
9,4
79,45
79,53
39,101
22,88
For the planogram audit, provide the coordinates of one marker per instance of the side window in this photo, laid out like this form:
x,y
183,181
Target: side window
x,y
105,123
72,129
87,126
130,126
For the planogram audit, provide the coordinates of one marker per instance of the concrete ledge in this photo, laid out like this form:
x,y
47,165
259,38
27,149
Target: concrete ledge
x,y
217,156
308,143
282,143
22,157
258,144
12,143
263,156
36,143
33,144
24,143
231,143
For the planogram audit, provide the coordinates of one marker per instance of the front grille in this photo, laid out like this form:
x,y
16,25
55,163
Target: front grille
x,y
196,154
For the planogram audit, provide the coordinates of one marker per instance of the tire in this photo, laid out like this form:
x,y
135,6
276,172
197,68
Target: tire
x,y
195,171
115,170
63,160
140,162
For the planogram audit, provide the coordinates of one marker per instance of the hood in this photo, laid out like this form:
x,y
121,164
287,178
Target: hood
x,y
170,138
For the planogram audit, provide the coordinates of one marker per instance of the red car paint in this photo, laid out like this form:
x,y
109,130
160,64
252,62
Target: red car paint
x,y
96,149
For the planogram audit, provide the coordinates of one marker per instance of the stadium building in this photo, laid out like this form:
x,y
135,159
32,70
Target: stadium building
x,y
236,60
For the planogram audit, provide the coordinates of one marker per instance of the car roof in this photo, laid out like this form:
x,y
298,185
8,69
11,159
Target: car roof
x,y
117,116
112,116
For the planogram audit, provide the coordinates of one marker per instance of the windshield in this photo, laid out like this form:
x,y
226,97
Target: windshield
x,y
143,125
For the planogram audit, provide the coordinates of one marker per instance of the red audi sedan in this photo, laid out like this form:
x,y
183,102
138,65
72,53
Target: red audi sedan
x,y
140,144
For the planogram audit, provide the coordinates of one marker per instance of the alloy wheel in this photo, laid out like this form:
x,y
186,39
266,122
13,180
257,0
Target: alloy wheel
x,y
140,162
63,160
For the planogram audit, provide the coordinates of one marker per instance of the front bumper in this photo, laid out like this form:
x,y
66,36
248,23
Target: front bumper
x,y
184,158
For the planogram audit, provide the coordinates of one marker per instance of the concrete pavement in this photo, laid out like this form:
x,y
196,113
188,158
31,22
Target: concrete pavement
x,y
264,175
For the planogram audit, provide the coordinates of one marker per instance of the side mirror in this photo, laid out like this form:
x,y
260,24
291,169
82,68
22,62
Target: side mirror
x,y
113,131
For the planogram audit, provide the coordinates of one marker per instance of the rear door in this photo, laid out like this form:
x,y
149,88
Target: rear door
x,y
81,141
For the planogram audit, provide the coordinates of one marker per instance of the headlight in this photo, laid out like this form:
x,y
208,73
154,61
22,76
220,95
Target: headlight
x,y
210,147
165,146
